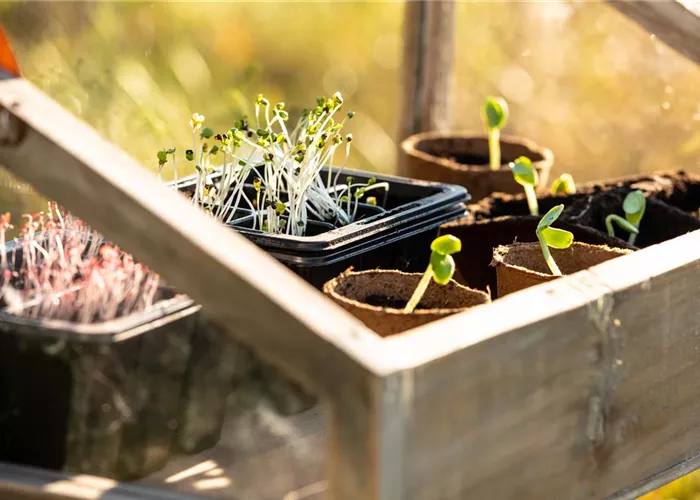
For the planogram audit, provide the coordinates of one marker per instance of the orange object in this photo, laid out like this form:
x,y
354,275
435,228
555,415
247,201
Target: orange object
x,y
7,59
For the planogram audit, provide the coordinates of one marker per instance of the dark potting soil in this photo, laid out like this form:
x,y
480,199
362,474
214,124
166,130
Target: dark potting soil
x,y
661,222
469,159
679,189
501,204
388,302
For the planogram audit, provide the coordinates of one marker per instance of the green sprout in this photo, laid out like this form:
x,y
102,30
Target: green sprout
x,y
494,113
634,206
622,223
525,174
564,185
163,159
552,237
440,269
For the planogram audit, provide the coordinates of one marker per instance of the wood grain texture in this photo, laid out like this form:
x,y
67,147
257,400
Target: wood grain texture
x,y
428,60
582,388
673,22
246,291
22,483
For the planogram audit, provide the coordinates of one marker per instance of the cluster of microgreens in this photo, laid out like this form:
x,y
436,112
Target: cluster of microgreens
x,y
69,272
634,206
440,269
525,174
288,186
494,114
552,237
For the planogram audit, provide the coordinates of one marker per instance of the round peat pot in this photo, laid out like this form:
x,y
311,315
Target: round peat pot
x,y
377,298
521,265
463,159
482,236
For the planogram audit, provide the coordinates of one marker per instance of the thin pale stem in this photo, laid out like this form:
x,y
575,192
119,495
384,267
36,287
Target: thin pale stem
x,y
609,226
548,256
532,200
495,148
632,238
420,290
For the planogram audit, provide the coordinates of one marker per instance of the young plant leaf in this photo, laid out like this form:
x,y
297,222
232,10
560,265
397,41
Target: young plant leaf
x,y
564,185
524,172
634,207
557,238
443,267
550,217
446,245
494,113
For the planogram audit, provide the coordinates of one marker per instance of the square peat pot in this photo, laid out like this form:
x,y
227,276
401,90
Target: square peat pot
x,y
102,398
395,234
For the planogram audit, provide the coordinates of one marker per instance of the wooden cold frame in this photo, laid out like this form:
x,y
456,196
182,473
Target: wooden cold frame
x,y
580,388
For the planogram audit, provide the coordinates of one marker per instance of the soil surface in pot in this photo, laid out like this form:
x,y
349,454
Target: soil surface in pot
x,y
661,222
676,188
474,151
522,265
481,237
679,189
377,298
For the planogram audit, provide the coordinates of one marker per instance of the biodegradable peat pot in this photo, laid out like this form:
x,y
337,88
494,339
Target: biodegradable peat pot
x,y
521,265
661,222
481,237
460,158
377,299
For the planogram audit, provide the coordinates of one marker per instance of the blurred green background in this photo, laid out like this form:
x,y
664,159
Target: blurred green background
x,y
606,97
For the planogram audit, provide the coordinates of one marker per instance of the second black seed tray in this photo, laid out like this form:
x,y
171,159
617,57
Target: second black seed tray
x,y
397,238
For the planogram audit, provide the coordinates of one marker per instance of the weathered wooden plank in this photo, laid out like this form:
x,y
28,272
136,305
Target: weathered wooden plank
x,y
20,483
244,289
428,58
581,388
674,22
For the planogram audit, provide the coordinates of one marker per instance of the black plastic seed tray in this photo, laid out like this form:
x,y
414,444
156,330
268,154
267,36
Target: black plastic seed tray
x,y
116,398
396,235
99,399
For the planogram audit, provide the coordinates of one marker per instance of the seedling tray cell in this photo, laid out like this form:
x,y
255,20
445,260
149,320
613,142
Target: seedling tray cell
x,y
661,222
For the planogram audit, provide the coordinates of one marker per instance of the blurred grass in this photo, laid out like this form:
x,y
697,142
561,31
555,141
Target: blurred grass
x,y
580,78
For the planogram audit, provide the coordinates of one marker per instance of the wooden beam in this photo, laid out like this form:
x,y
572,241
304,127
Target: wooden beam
x,y
428,61
581,388
242,288
24,483
674,22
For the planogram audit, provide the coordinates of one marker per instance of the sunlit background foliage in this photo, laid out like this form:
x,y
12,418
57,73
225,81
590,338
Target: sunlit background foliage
x,y
607,98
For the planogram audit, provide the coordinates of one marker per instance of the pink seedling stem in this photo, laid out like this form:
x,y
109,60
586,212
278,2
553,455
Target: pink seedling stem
x,y
68,271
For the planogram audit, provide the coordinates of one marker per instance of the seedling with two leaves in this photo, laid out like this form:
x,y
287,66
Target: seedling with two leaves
x,y
552,237
440,269
525,174
634,206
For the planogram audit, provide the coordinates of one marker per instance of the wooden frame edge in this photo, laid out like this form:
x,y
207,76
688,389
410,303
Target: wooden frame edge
x,y
669,20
